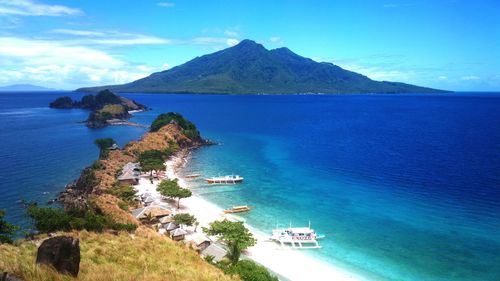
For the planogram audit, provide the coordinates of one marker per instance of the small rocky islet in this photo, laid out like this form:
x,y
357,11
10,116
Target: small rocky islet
x,y
106,107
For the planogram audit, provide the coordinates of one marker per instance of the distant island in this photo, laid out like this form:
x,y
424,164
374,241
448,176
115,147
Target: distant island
x,y
25,88
249,68
106,108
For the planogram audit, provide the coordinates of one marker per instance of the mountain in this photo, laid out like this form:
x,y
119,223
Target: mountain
x,y
250,68
24,88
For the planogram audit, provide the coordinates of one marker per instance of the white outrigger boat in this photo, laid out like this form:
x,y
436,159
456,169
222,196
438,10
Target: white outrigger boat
x,y
297,237
232,179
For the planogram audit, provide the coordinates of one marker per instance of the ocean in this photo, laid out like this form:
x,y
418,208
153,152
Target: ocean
x,y
405,187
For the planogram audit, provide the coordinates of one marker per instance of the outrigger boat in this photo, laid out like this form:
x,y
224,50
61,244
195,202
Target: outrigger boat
x,y
297,237
232,179
192,176
237,209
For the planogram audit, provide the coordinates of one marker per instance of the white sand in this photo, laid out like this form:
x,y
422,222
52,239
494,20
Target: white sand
x,y
288,263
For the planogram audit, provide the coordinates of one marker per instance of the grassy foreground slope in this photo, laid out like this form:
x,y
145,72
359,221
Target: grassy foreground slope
x,y
104,256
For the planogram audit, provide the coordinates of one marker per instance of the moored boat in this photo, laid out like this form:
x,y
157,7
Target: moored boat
x,y
232,179
237,209
297,237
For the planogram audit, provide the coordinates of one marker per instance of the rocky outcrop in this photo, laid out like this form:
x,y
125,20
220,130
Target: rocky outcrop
x,y
76,194
7,277
106,108
62,253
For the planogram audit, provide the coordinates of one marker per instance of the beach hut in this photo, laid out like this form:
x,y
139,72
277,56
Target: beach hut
x,y
165,220
154,211
171,226
200,242
148,200
214,250
114,147
130,173
178,234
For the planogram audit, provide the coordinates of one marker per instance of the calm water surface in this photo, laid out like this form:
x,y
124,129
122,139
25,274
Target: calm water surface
x,y
406,187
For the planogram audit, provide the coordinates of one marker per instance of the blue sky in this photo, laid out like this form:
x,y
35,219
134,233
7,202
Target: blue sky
x,y
449,44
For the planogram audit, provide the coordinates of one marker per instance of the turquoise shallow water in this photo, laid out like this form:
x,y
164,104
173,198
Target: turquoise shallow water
x,y
405,187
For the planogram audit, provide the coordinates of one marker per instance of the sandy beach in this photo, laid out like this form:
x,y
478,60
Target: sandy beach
x,y
288,263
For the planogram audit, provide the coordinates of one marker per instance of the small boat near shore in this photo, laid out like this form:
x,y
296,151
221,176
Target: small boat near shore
x,y
297,237
231,179
192,176
237,209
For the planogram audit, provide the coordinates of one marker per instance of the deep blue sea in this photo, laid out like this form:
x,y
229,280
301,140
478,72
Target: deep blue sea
x,y
406,187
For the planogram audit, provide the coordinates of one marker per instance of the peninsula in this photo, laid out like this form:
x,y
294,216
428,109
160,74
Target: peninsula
x,y
249,68
106,108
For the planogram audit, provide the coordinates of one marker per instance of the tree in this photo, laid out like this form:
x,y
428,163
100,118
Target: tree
x,y
152,160
6,229
104,144
185,219
234,234
171,189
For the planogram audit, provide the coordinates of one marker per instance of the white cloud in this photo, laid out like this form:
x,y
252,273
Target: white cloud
x,y
74,32
43,52
133,40
378,73
33,8
275,39
62,65
165,4
442,78
231,42
469,77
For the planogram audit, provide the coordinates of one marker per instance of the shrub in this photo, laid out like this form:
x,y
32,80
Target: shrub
x,y
49,219
249,270
123,205
97,165
54,219
7,230
124,192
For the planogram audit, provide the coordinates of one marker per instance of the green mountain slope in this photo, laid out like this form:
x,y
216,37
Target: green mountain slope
x,y
250,68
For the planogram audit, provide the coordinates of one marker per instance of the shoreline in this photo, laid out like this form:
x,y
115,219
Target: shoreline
x,y
288,264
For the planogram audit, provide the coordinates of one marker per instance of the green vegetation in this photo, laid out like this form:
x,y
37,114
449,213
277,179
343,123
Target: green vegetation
x,y
123,191
55,219
97,165
103,98
249,68
188,128
249,270
112,109
7,230
172,148
108,112
184,219
171,189
234,234
62,102
104,144
105,106
152,160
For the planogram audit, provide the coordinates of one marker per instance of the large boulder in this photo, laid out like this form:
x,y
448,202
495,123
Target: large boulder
x,y
62,253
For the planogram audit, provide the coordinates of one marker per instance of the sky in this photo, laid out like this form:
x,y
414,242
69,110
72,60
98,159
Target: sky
x,y
446,44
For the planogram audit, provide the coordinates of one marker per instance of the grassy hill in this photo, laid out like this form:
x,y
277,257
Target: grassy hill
x,y
250,68
104,256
